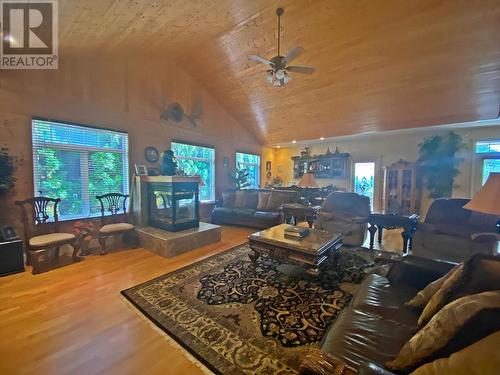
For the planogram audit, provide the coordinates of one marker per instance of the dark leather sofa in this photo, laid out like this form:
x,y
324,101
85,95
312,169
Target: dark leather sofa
x,y
253,209
375,326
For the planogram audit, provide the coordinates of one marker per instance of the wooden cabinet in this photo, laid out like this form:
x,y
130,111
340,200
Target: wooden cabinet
x,y
329,165
400,194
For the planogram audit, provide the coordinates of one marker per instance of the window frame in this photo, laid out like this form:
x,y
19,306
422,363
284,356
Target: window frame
x,y
487,155
259,171
212,163
84,172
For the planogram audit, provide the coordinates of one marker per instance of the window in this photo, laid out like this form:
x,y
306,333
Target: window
x,y
252,163
197,161
76,163
490,153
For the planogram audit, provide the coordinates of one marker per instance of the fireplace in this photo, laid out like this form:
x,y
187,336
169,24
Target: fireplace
x,y
173,206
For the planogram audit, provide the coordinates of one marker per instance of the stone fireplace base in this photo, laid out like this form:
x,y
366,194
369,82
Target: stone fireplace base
x,y
170,244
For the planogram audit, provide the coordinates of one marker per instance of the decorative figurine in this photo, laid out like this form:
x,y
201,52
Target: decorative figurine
x,y
168,164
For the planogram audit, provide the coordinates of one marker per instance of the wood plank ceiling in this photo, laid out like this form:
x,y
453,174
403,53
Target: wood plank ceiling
x,y
381,65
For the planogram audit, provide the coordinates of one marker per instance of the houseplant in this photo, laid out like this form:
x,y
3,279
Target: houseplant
x,y
240,177
437,163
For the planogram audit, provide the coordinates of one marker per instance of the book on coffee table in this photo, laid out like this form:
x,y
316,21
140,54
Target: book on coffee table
x,y
296,231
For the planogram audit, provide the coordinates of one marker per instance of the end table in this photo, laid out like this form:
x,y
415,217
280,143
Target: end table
x,y
379,221
296,211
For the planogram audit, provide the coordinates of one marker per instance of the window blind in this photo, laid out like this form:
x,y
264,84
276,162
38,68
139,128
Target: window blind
x,y
76,163
251,162
200,161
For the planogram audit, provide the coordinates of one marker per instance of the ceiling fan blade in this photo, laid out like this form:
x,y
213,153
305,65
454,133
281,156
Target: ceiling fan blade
x,y
301,69
259,59
292,54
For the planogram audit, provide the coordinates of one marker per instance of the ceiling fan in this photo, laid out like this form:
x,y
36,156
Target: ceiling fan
x,y
279,68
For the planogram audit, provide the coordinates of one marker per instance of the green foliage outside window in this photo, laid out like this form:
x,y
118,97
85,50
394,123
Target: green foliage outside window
x,y
197,161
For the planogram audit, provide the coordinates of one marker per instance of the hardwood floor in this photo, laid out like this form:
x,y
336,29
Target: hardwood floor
x,y
72,320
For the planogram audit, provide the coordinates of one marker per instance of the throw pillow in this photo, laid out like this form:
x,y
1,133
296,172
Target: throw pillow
x,y
263,199
446,326
478,274
251,199
480,358
425,295
278,198
228,199
239,200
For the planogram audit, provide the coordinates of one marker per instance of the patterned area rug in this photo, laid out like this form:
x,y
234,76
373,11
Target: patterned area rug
x,y
239,318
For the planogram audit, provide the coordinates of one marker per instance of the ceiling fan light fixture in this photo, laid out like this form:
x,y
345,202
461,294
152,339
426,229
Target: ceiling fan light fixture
x,y
280,74
269,76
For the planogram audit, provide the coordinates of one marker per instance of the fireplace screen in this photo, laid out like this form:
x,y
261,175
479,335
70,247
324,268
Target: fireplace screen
x,y
173,206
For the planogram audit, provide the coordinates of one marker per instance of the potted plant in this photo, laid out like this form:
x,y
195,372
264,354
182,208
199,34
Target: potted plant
x,y
84,230
437,163
240,177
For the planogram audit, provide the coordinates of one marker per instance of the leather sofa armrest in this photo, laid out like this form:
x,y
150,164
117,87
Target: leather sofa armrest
x,y
318,362
417,271
325,215
486,236
369,368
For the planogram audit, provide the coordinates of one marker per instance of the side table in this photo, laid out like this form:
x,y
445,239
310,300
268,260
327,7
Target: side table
x,y
379,221
11,257
296,211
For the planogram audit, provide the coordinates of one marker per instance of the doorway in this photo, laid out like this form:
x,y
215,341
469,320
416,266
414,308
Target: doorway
x,y
364,180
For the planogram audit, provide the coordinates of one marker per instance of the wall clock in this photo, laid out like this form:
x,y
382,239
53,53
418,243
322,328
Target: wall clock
x,y
151,154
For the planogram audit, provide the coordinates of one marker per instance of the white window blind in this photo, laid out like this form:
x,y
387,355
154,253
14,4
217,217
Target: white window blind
x,y
76,163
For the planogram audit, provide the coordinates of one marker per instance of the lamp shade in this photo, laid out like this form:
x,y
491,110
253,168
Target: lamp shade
x,y
487,200
308,180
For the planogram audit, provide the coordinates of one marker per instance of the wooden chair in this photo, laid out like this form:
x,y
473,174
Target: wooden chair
x,y
42,233
115,223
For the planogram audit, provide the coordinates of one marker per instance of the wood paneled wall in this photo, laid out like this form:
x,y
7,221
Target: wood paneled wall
x,y
116,93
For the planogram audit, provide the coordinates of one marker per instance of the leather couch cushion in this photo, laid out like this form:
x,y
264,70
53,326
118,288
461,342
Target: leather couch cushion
x,y
263,200
280,197
267,215
448,211
358,336
246,199
228,199
377,296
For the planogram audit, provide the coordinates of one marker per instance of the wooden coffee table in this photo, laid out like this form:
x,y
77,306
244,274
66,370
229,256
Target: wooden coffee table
x,y
310,251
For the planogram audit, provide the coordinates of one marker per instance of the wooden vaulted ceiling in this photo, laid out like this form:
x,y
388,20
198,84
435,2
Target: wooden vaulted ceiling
x,y
381,65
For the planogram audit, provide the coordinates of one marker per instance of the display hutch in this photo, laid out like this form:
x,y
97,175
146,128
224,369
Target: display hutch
x,y
329,165
400,194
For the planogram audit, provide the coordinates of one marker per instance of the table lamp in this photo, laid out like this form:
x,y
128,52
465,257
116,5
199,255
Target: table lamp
x,y
487,200
308,181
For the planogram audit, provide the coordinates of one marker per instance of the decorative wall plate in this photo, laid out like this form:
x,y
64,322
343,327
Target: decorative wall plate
x,y
151,154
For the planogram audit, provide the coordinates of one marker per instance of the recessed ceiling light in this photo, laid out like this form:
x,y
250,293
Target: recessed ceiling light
x,y
278,146
294,141
322,138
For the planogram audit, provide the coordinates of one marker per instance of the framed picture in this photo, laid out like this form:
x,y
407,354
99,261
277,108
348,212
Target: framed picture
x,y
140,170
151,154
153,172
8,233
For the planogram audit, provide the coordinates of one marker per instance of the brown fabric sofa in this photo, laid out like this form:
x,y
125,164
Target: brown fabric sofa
x,y
256,208
377,324
451,232
346,213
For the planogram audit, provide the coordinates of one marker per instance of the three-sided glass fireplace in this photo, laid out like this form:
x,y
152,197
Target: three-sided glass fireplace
x,y
174,206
